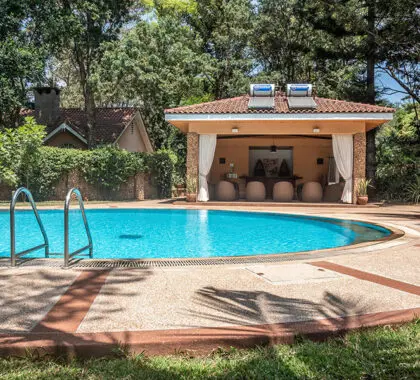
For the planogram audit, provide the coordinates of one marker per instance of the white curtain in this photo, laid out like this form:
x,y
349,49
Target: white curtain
x,y
207,146
343,155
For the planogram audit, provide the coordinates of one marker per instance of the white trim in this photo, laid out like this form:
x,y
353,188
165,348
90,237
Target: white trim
x,y
63,128
279,117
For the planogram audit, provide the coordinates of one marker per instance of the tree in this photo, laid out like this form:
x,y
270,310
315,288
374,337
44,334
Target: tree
x,y
399,154
89,24
354,28
225,28
282,42
289,49
399,48
25,31
64,72
154,66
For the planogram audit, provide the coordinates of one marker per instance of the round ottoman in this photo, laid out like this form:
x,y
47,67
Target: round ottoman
x,y
255,191
312,192
283,192
225,191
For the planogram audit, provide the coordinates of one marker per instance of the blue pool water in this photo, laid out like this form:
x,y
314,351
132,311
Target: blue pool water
x,y
165,233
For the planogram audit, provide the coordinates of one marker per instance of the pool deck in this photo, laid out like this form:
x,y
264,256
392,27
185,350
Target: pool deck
x,y
164,310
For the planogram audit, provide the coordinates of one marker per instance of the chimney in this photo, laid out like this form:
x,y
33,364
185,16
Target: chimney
x,y
47,104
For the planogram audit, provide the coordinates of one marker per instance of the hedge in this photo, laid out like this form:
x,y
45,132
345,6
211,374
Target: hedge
x,y
107,166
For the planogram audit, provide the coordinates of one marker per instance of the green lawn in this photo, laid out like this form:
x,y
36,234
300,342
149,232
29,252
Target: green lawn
x,y
382,353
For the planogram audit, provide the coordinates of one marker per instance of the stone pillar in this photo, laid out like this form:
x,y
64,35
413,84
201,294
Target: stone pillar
x,y
139,186
359,160
192,156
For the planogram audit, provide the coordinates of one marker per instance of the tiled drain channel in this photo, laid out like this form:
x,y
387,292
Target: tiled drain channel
x,y
110,264
178,263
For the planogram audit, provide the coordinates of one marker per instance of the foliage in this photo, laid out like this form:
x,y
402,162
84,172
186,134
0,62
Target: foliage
x,y
399,48
90,24
382,353
154,66
413,190
65,73
362,187
161,166
110,167
191,185
19,152
24,50
40,168
398,154
53,164
156,54
225,29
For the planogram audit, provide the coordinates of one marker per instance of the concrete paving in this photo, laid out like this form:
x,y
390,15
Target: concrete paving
x,y
210,297
27,294
229,295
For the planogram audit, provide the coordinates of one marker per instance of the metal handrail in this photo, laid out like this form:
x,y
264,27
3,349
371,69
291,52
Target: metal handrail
x,y
67,254
13,254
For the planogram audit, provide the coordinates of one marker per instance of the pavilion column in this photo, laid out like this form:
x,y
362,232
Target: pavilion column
x,y
192,156
359,160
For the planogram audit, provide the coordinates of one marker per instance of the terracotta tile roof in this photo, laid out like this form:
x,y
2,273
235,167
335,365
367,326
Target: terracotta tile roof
x,y
239,105
110,122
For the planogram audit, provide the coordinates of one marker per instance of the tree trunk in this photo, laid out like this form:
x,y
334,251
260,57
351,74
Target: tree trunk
x,y
89,98
90,114
371,53
371,95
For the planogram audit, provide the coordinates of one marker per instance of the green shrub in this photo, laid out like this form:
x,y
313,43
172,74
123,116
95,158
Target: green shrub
x,y
52,164
161,167
25,162
19,152
398,155
110,167
413,191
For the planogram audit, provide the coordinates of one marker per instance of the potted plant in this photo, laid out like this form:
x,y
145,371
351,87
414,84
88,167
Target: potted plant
x,y
191,189
361,191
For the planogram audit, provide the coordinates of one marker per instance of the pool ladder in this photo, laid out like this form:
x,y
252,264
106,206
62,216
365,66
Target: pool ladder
x,y
67,255
13,254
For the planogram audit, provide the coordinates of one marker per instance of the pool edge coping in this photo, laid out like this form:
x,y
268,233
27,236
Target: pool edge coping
x,y
229,260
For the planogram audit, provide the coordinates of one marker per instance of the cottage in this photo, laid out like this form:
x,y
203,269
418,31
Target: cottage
x,y
66,127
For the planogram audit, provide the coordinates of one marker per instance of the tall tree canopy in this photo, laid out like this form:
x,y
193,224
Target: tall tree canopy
x,y
155,54
361,30
155,65
89,24
225,28
25,45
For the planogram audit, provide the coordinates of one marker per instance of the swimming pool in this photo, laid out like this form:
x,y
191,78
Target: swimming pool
x,y
169,233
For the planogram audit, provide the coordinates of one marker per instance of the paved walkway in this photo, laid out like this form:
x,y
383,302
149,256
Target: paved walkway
x,y
201,308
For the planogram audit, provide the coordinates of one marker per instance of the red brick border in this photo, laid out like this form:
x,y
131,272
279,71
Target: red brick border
x,y
366,276
195,341
67,314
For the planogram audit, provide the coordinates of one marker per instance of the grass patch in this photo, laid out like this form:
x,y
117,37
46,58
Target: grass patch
x,y
381,353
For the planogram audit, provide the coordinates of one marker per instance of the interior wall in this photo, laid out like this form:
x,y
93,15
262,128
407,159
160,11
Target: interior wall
x,y
256,154
306,151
